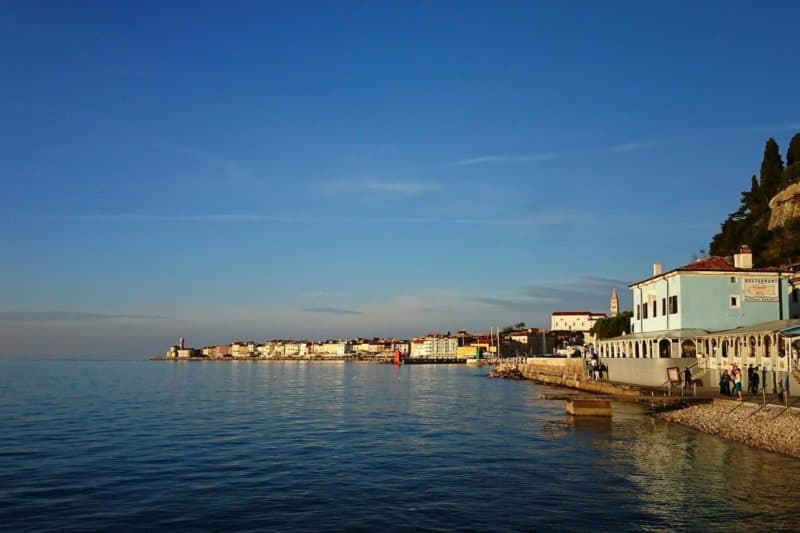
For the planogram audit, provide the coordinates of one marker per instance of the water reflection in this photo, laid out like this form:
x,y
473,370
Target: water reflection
x,y
594,424
723,483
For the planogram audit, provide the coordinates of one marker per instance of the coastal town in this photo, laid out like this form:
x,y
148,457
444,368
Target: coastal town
x,y
713,344
704,318
432,347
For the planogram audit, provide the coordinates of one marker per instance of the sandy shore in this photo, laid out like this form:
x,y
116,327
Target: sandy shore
x,y
773,427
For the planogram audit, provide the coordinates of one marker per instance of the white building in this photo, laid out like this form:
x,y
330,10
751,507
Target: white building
x,y
243,349
297,349
333,348
574,320
435,346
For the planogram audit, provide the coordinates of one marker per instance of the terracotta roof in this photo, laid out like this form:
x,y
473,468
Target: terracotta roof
x,y
711,263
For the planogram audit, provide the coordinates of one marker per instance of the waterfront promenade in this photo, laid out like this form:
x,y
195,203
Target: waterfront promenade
x,y
769,426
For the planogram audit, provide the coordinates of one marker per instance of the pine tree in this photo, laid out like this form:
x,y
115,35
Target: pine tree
x,y
749,224
751,202
793,152
790,175
792,172
771,169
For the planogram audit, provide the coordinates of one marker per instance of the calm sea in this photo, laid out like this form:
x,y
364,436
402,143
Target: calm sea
x,y
331,446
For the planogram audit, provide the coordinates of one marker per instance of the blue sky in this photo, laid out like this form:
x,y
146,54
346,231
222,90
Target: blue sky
x,y
257,170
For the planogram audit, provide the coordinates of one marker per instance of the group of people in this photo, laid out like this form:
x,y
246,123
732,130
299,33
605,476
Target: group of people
x,y
596,369
734,377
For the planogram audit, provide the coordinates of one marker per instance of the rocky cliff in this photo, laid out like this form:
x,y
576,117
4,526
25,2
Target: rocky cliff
x,y
785,206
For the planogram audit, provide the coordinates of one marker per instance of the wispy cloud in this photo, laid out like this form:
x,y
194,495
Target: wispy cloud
x,y
68,316
604,282
378,185
511,158
541,218
574,291
562,154
776,127
154,217
633,146
230,170
527,306
332,311
582,293
315,295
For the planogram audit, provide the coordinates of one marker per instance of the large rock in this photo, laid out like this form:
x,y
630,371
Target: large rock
x,y
785,206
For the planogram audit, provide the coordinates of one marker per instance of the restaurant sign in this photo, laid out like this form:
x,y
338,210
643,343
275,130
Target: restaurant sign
x,y
760,290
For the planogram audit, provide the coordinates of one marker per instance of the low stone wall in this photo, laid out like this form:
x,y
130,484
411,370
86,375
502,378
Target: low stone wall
x,y
571,376
645,372
773,427
557,366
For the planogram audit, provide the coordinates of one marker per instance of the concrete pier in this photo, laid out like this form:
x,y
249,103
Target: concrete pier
x,y
577,407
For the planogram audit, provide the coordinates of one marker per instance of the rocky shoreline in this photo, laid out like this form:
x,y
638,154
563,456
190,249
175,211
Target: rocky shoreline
x,y
772,427
506,371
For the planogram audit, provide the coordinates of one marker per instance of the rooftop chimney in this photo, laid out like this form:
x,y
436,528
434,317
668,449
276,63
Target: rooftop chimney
x,y
656,269
744,259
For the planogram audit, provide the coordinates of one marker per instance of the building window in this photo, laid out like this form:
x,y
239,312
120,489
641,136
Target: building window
x,y
673,305
644,310
795,292
663,306
733,279
734,301
655,309
637,311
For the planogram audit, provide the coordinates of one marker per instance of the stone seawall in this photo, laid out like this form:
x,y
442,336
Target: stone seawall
x,y
570,374
770,427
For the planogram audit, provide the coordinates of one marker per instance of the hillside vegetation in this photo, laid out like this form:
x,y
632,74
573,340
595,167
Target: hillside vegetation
x,y
750,223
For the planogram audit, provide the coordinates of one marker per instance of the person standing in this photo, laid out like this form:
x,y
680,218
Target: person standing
x,y
737,382
687,378
725,383
755,379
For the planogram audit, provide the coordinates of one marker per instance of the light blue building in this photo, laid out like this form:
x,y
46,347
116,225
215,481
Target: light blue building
x,y
709,315
713,295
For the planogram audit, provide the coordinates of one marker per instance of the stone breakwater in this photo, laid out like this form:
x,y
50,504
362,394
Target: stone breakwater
x,y
773,427
506,371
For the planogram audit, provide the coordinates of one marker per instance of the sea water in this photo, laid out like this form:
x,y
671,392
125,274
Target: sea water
x,y
121,445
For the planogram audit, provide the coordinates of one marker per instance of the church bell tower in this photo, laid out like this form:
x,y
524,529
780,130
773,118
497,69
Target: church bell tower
x,y
614,305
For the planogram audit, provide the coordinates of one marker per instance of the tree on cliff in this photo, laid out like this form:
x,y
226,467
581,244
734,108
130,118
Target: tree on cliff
x,y
792,172
785,244
793,152
771,170
749,224
746,225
